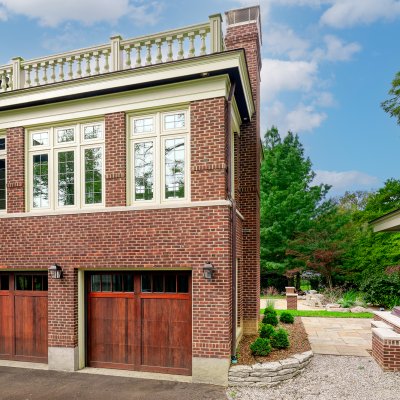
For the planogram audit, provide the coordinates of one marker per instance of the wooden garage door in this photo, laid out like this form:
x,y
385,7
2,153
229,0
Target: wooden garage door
x,y
23,317
140,321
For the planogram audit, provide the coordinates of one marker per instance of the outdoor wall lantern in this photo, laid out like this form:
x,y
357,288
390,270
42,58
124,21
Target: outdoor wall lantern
x,y
208,270
56,271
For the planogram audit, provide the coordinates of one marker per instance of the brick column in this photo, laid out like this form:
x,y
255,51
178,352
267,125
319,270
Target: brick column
x,y
15,170
246,35
115,138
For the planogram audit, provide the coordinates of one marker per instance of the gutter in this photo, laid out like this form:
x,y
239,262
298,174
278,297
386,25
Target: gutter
x,y
233,221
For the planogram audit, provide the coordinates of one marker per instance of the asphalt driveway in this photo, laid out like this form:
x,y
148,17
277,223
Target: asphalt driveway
x,y
28,384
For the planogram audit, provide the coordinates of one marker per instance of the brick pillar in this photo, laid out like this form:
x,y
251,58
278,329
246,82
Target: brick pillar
x,y
115,137
291,301
15,170
245,34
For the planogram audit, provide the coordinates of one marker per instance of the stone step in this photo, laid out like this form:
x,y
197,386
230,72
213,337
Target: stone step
x,y
380,324
386,334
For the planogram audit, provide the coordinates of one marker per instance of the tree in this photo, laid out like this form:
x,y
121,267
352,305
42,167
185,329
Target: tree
x,y
323,246
289,200
392,105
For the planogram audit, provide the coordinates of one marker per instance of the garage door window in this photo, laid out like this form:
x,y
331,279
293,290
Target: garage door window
x,y
4,279
31,282
165,283
122,282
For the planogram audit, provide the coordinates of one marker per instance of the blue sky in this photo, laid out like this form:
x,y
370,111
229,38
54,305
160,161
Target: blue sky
x,y
327,66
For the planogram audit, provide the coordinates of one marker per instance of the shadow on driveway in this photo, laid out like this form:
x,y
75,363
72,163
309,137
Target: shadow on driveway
x,y
27,384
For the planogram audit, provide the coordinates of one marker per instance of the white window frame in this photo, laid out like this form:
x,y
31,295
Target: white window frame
x,y
3,156
78,146
158,137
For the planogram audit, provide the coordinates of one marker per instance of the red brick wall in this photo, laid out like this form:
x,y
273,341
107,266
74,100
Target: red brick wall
x,y
15,170
246,36
386,353
208,149
115,143
164,238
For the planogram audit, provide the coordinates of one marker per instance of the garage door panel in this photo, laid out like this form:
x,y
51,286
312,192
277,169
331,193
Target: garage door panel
x,y
6,324
111,320
166,340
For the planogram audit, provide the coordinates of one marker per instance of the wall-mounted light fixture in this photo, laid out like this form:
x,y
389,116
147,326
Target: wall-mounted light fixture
x,y
208,270
56,271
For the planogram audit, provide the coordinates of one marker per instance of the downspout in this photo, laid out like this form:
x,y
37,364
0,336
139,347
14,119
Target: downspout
x,y
233,219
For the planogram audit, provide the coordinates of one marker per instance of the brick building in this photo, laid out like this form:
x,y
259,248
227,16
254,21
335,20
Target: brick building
x,y
129,202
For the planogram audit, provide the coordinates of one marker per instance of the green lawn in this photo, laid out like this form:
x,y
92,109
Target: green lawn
x,y
278,296
325,314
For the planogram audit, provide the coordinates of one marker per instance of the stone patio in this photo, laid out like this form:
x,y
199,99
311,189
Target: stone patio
x,y
339,336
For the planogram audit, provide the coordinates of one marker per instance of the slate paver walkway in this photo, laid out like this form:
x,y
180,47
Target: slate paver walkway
x,y
339,336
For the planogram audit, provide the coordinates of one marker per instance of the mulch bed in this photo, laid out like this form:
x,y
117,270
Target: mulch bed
x,y
298,344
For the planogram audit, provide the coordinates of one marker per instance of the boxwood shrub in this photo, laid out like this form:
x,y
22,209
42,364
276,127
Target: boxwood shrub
x,y
266,331
261,347
279,339
286,318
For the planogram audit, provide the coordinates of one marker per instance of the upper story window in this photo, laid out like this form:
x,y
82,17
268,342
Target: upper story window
x,y
3,173
66,166
159,157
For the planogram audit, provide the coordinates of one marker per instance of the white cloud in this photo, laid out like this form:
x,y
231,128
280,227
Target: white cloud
x,y
304,118
345,180
348,13
336,49
52,13
278,76
324,99
281,40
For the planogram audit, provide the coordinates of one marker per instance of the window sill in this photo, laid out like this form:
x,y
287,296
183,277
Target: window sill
x,y
211,203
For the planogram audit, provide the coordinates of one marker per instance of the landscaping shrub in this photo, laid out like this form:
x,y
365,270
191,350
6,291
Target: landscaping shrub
x,y
261,347
286,318
270,307
382,289
266,331
348,299
271,291
279,339
270,318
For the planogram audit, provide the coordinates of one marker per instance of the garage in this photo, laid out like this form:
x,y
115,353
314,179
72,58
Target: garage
x,y
140,321
23,316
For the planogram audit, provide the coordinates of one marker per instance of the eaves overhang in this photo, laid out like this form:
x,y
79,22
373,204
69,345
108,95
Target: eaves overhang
x,y
232,63
389,222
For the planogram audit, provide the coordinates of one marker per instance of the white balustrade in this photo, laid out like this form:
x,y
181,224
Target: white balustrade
x,y
193,41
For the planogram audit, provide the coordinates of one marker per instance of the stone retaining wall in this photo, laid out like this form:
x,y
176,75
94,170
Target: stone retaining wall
x,y
269,374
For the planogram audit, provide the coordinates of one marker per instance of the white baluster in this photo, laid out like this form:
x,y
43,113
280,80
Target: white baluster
x,y
128,62
159,54
88,57
170,54
106,62
28,81
61,74
138,48
70,73
203,48
79,66
36,74
53,64
180,47
148,54
3,80
44,69
96,55
191,36
10,79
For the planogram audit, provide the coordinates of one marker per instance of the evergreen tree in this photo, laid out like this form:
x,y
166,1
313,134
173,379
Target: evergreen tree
x,y
289,200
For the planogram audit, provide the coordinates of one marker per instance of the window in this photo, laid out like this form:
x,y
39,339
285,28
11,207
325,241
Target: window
x,y
4,282
168,282
112,282
31,282
66,167
3,174
160,157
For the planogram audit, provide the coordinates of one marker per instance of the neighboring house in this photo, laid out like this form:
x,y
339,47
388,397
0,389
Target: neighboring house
x,y
133,169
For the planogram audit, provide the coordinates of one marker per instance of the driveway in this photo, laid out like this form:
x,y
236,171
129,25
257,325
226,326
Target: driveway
x,y
339,336
28,384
